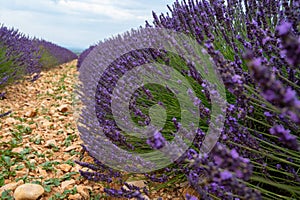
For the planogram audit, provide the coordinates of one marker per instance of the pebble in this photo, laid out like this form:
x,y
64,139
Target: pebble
x,y
42,172
28,191
17,150
83,191
32,126
10,186
63,108
71,148
65,167
67,183
74,197
30,113
10,120
49,143
139,183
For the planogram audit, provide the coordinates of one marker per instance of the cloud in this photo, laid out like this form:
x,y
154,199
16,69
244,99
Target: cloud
x,y
77,23
111,9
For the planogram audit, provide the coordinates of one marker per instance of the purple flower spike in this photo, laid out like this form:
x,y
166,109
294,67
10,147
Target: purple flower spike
x,y
284,28
190,197
157,141
285,137
225,175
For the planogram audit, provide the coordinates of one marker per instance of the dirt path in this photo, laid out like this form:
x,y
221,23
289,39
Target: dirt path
x,y
39,140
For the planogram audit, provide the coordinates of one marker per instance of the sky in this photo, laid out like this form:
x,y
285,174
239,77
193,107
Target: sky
x,y
78,23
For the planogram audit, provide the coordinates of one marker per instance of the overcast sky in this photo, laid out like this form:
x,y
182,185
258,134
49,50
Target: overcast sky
x,y
78,23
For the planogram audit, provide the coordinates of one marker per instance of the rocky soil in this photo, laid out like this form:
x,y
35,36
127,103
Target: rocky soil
x,y
39,142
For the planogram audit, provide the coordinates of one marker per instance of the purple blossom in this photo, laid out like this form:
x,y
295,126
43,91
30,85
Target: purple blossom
x,y
190,197
225,175
284,28
285,137
157,141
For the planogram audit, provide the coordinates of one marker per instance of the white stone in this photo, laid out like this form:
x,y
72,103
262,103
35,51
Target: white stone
x,y
28,191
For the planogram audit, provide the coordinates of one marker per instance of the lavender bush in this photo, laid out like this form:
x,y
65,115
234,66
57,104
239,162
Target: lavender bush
x,y
84,54
21,55
18,55
53,55
256,48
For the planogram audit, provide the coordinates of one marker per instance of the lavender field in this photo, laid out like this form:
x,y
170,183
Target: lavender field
x,y
201,102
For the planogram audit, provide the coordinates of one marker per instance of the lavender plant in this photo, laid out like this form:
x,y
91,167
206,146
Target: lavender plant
x,y
84,54
256,48
53,55
21,55
18,55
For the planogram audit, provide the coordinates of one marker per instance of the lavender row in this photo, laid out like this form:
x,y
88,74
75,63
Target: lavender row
x,y
21,55
84,54
256,48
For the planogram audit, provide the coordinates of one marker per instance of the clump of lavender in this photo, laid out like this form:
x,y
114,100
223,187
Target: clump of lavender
x,y
21,55
84,54
53,55
255,46
157,141
18,55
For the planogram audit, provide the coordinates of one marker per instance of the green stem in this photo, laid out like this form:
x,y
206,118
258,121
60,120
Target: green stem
x,y
267,192
288,81
264,101
260,122
258,165
266,154
278,147
291,189
263,133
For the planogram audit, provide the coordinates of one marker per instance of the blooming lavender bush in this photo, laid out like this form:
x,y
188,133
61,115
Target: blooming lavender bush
x,y
53,55
20,55
255,46
84,54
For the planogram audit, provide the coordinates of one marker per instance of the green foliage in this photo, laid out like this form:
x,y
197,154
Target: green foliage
x,y
47,60
8,68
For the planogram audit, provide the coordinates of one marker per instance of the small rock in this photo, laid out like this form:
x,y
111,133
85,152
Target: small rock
x,y
67,183
50,143
63,108
17,150
65,167
10,186
74,197
69,131
30,113
10,120
139,183
61,118
59,172
50,91
32,126
22,172
47,124
28,191
32,161
71,148
83,191
42,172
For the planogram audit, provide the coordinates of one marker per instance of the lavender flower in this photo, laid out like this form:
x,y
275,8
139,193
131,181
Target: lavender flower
x,y
157,141
190,197
285,137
